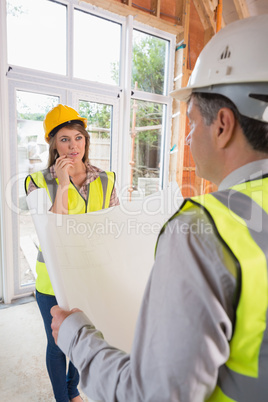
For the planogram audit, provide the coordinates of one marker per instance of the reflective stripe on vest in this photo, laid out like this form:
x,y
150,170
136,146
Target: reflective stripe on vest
x,y
98,197
240,218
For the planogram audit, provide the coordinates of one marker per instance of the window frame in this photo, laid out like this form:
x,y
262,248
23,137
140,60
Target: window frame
x,y
13,191
15,77
109,100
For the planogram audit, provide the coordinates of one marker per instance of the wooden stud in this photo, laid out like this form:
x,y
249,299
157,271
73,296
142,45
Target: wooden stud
x,y
206,10
183,108
155,6
141,16
210,8
204,18
179,10
241,8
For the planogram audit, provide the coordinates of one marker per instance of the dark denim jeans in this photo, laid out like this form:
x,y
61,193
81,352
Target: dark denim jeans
x,y
64,386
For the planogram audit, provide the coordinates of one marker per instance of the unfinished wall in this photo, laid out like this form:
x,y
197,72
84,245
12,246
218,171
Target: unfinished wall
x,y
191,184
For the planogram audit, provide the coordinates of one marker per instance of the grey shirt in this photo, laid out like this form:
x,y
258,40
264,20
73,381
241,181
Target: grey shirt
x,y
185,322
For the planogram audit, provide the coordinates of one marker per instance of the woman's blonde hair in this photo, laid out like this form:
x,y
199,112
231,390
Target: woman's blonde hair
x,y
53,153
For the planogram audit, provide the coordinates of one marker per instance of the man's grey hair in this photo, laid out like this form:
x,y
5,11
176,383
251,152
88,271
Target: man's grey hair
x,y
255,131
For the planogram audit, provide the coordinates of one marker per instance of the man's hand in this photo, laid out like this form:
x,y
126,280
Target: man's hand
x,y
59,316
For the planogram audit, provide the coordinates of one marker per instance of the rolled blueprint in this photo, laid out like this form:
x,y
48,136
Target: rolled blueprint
x,y
100,261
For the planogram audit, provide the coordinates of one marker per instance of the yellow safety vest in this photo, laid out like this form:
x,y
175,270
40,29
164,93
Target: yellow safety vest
x,y
240,218
98,197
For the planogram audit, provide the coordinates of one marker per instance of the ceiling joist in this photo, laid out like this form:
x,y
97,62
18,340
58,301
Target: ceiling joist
x,y
241,8
207,10
126,8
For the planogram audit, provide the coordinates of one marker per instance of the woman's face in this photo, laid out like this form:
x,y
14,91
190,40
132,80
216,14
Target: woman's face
x,y
70,142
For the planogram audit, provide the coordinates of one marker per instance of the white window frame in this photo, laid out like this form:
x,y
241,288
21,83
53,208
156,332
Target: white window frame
x,y
6,218
69,89
150,97
12,189
108,100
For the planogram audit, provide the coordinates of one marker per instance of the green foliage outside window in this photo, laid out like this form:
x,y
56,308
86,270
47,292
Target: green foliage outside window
x,y
148,64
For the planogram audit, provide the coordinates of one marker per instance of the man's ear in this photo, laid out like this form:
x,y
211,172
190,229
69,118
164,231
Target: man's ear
x,y
225,127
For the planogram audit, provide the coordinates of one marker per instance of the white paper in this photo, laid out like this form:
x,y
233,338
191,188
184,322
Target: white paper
x,y
100,262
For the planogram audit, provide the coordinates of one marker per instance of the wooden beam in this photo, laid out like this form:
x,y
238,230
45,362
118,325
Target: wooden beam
x,y
179,10
181,75
186,26
141,16
189,169
208,35
204,18
181,124
206,10
211,7
241,8
155,6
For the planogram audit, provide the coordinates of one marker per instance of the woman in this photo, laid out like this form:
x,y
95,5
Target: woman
x,y
74,187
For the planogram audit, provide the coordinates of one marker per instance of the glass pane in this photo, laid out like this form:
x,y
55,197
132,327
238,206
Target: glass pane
x,y
32,156
96,48
99,117
145,147
149,63
36,35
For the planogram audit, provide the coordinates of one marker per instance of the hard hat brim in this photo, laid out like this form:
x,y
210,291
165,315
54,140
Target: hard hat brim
x,y
82,121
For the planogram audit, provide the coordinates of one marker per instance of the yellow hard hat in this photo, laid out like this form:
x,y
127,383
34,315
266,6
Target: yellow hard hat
x,y
60,116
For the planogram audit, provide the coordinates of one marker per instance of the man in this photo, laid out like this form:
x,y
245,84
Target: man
x,y
201,333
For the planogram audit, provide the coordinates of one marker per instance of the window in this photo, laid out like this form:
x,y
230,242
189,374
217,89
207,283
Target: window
x,y
145,149
149,63
32,156
34,42
97,45
114,71
147,131
99,117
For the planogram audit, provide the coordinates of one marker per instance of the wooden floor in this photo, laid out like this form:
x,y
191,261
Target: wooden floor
x,y
23,375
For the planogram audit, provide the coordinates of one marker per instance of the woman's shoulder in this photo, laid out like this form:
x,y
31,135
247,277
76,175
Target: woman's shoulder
x,y
42,172
33,181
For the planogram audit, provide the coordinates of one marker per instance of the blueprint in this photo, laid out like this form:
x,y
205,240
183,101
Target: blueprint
x,y
100,261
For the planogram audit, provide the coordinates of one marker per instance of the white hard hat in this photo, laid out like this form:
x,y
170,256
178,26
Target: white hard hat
x,y
234,63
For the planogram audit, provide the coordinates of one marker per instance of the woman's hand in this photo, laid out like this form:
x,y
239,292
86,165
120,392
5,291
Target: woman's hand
x,y
62,168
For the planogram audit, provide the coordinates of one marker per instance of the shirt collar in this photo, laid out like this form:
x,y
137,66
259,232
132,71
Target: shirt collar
x,y
250,171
